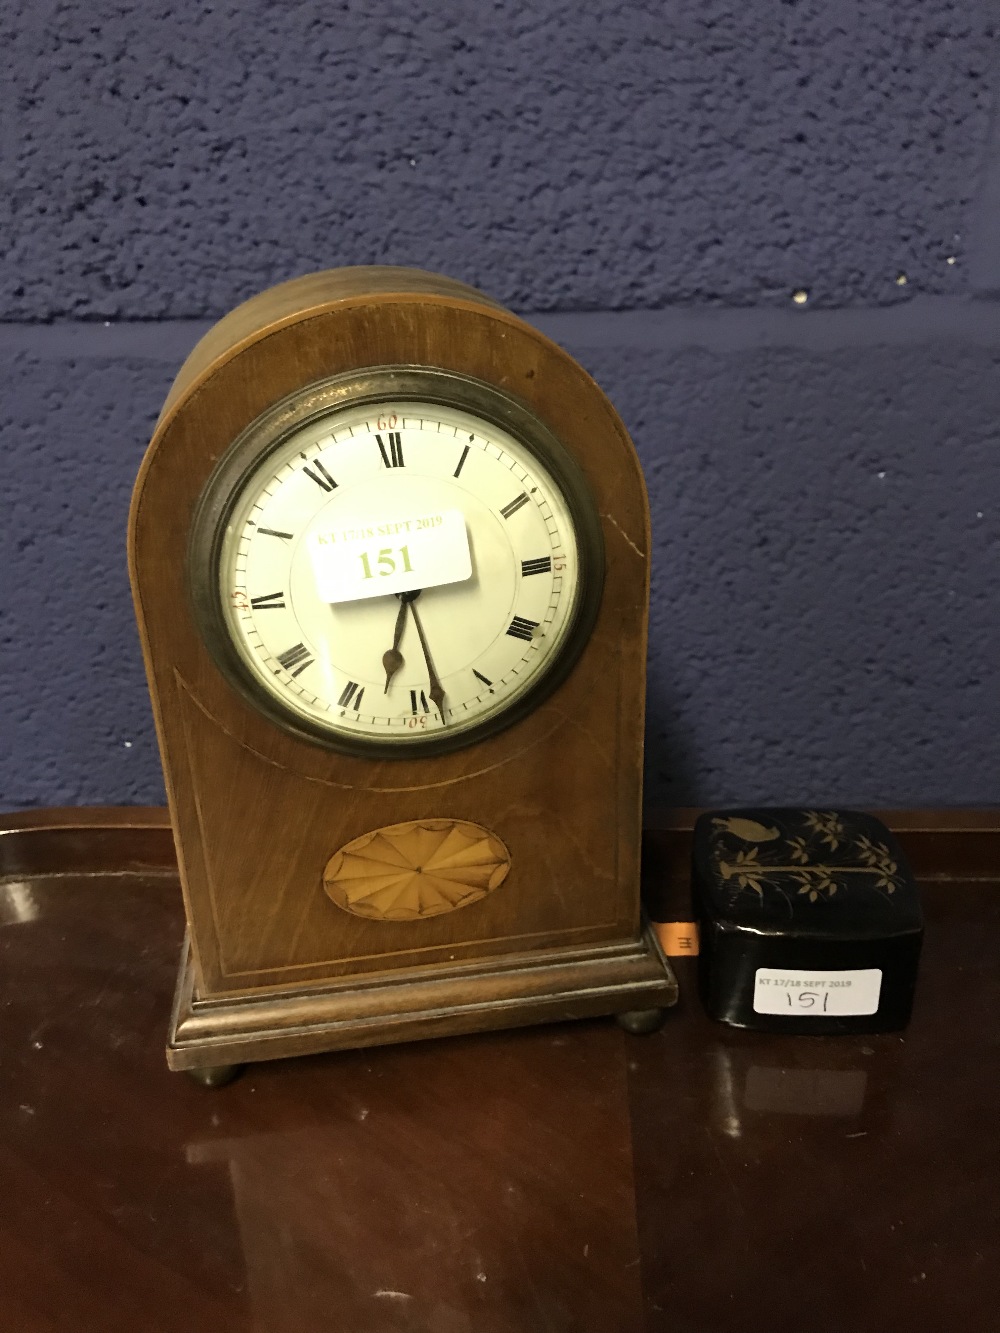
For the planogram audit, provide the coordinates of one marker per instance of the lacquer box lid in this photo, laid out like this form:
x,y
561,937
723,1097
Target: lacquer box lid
x,y
810,920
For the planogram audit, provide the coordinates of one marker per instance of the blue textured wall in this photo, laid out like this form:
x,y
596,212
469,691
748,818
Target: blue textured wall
x,y
651,184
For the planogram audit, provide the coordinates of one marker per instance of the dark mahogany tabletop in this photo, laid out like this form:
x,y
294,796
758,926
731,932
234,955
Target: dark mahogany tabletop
x,y
700,1180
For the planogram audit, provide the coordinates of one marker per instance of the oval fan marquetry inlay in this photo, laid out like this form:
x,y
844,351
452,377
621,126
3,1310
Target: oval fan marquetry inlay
x,y
405,872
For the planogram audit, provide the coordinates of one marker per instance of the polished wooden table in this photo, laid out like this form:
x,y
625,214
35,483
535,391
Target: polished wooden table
x,y
701,1180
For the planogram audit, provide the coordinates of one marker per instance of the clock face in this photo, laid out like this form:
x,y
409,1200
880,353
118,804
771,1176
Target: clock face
x,y
404,559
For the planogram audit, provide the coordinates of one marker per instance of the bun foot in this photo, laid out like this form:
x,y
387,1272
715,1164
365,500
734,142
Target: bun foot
x,y
640,1022
214,1076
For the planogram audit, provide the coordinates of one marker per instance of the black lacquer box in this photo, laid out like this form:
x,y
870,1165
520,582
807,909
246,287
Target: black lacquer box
x,y
810,921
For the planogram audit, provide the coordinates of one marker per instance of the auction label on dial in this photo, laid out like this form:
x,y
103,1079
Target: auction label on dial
x,y
395,554
841,991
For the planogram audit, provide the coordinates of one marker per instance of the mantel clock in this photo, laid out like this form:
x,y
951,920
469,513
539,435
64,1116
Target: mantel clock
x,y
389,549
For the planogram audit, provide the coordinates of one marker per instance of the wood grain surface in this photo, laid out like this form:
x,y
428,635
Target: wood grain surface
x,y
566,1177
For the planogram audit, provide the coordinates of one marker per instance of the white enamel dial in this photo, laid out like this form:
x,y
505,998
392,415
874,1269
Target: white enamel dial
x,y
399,669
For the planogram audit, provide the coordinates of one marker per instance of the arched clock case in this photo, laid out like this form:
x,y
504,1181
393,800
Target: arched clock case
x,y
389,549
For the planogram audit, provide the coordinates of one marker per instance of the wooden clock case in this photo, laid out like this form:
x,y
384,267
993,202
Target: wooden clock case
x,y
272,967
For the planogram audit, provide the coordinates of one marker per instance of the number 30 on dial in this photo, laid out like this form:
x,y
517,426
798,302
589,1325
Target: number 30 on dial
x,y
397,559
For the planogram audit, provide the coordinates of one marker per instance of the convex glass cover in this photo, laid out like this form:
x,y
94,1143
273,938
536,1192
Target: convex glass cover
x,y
396,559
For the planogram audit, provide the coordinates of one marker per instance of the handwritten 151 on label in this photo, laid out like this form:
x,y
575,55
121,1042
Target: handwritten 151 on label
x,y
395,555
817,994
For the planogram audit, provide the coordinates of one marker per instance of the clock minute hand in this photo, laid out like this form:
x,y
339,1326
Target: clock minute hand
x,y
435,692
392,658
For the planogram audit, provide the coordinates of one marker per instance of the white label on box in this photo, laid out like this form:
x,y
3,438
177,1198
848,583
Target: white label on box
x,y
820,994
397,554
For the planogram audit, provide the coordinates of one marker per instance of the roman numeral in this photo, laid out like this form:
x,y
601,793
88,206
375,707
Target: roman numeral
x,y
272,532
291,657
271,601
485,679
514,505
393,455
413,702
320,476
543,565
521,628
348,694
461,461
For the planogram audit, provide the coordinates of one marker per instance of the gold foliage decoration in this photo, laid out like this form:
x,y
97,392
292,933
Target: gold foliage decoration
x,y
798,862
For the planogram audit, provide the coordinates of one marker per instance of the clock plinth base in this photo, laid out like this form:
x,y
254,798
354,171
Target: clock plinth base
x,y
209,1034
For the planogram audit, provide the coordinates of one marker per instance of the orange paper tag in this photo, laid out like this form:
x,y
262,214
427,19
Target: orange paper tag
x,y
677,938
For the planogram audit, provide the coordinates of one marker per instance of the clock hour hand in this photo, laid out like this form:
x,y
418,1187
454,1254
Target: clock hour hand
x,y
392,658
435,692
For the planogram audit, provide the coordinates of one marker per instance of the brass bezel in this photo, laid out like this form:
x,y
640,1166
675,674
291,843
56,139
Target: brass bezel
x,y
269,431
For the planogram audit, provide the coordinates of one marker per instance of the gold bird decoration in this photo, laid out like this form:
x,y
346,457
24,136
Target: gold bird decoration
x,y
747,829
